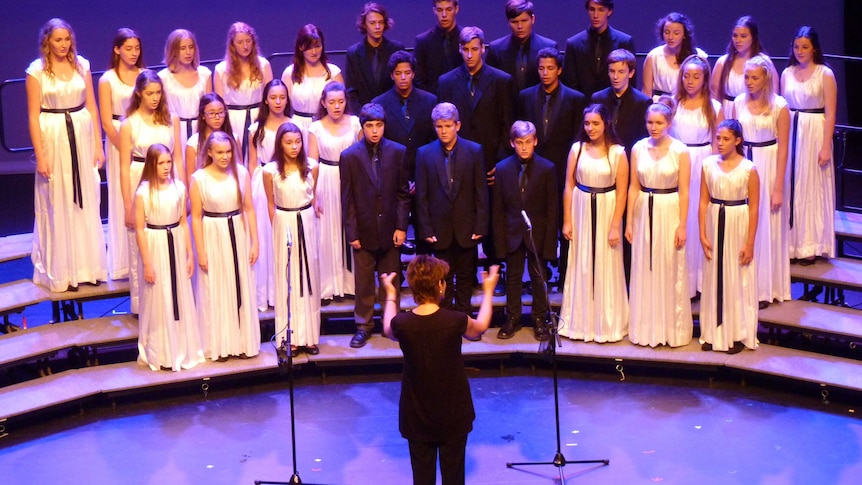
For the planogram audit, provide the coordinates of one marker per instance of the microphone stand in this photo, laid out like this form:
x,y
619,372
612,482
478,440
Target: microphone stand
x,y
285,357
552,319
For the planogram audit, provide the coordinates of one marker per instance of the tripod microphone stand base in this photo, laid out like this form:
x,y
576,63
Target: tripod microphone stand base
x,y
559,462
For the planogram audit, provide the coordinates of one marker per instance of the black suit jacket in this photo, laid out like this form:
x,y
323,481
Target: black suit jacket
x,y
451,215
565,120
432,59
487,117
540,201
630,122
413,132
581,71
372,212
503,54
359,79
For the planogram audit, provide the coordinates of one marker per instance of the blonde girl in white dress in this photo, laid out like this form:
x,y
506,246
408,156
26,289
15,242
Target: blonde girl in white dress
x,y
68,242
289,184
115,95
185,81
274,111
225,237
169,338
240,78
147,121
658,204
694,122
728,212
765,122
809,87
662,64
327,138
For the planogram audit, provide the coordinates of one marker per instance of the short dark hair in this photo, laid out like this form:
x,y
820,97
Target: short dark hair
x,y
551,53
622,55
515,8
424,274
398,57
608,4
371,112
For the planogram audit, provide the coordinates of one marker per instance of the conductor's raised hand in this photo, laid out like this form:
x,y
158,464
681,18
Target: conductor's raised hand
x,y
490,278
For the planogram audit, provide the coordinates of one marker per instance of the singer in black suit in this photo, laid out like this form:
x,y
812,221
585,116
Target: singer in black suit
x,y
525,208
375,202
484,97
452,203
437,50
626,105
558,113
587,51
516,54
408,109
366,74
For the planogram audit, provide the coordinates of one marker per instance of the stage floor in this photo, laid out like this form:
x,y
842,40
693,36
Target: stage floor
x,y
651,429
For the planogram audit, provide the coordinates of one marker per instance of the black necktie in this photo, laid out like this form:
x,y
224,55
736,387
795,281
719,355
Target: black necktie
x,y
521,66
617,102
546,110
375,63
522,182
404,110
470,83
375,165
448,163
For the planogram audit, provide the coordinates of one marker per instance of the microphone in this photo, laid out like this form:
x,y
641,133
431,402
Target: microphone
x,y
527,220
289,238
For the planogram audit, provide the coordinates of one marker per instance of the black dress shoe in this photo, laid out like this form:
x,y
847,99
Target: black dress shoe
x,y
509,329
294,351
737,348
408,248
762,305
541,330
360,338
706,347
311,349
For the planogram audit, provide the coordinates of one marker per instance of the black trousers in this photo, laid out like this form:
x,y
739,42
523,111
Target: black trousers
x,y
459,280
515,285
423,460
365,263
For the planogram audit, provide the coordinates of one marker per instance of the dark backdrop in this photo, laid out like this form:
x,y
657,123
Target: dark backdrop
x,y
276,22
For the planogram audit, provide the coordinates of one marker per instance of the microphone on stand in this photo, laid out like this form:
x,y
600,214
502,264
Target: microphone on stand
x,y
527,220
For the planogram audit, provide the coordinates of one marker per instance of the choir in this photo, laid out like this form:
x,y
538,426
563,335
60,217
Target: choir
x,y
284,175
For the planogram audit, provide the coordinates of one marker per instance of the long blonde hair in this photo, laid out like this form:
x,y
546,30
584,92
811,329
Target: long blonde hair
x,y
45,51
761,62
234,69
204,158
705,98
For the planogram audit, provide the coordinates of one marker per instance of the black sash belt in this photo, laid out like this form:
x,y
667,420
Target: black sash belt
x,y
594,215
138,159
659,92
730,98
749,154
304,267
173,259
305,115
327,162
719,245
232,232
117,117
77,193
793,152
247,108
651,192
188,122
696,145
